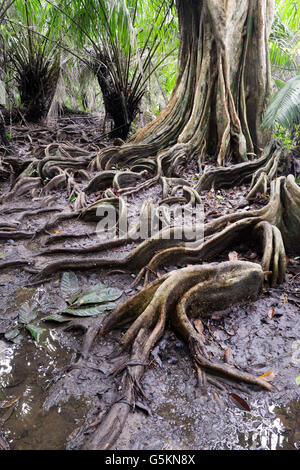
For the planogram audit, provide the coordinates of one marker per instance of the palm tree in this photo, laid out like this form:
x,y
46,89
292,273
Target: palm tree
x,y
124,42
4,7
32,59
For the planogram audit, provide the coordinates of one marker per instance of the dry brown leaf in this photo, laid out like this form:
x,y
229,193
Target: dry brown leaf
x,y
239,401
198,326
94,423
228,357
8,403
233,256
271,312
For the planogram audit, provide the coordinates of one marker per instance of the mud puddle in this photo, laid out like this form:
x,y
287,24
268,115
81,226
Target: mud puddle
x,y
26,373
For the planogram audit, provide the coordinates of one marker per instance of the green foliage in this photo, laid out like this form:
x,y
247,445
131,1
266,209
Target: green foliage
x,y
27,314
136,36
284,107
98,294
289,138
89,311
94,301
284,41
32,61
4,7
124,43
37,332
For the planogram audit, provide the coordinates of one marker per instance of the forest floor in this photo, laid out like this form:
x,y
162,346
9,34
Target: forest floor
x,y
45,406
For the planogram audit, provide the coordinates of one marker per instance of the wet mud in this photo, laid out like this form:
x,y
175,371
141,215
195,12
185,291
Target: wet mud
x,y
46,405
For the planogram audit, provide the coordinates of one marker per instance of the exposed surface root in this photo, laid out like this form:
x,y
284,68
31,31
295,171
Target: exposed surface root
x,y
151,179
228,177
196,290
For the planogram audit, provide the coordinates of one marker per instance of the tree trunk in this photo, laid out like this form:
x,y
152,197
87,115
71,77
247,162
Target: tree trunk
x,y
222,87
117,103
223,79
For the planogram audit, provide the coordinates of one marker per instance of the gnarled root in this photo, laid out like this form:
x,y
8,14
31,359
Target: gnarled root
x,y
282,213
274,257
227,177
201,289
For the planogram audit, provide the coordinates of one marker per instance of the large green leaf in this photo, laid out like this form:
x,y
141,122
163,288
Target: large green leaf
x,y
98,294
37,332
90,311
57,318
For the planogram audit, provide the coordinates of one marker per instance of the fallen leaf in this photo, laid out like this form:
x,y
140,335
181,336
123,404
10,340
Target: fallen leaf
x,y
198,326
271,312
233,256
58,232
228,357
240,402
268,376
74,433
285,300
95,423
8,403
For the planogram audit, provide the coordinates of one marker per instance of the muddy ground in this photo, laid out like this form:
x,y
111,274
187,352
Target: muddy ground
x,y
43,405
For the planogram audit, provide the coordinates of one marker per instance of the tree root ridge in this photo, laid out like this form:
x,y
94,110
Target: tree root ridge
x,y
281,213
187,292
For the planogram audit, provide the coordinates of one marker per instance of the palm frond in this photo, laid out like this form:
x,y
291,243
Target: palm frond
x,y
284,108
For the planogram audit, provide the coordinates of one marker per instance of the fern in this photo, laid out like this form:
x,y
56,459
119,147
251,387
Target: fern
x,y
284,108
